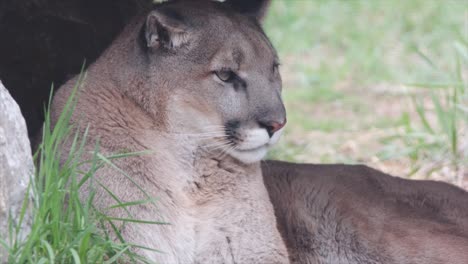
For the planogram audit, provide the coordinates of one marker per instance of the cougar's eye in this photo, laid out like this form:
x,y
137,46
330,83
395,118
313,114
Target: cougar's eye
x,y
225,75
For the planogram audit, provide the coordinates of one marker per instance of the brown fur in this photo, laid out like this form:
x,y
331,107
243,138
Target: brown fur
x,y
154,89
355,214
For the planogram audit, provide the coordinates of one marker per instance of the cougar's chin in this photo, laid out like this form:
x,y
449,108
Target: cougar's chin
x,y
252,145
249,155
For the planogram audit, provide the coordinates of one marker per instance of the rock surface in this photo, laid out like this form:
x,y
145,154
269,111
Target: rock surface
x,y
16,166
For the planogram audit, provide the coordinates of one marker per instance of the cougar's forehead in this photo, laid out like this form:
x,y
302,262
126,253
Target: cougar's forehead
x,y
244,50
216,29
256,49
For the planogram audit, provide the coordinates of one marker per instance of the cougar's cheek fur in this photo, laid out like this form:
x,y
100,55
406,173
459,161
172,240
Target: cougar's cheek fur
x,y
196,86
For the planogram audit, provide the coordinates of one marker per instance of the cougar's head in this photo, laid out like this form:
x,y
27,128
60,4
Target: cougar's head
x,y
219,72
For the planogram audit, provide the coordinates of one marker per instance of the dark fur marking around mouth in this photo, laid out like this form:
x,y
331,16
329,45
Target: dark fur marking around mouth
x,y
230,129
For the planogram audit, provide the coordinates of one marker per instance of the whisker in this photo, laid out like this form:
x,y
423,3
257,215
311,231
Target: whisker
x,y
215,126
214,136
214,133
218,143
225,152
205,132
219,146
210,130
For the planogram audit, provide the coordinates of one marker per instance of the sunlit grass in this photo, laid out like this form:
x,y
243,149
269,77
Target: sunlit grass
x,y
347,66
437,138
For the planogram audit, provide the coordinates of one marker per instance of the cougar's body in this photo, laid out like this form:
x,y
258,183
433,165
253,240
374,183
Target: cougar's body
x,y
355,214
195,85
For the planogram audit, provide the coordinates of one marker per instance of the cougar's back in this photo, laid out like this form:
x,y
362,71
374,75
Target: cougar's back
x,y
355,214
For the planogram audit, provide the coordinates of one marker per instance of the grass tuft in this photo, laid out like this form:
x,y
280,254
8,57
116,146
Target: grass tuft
x,y
64,228
437,137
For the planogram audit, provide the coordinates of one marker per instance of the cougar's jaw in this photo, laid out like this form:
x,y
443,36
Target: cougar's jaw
x,y
253,145
249,156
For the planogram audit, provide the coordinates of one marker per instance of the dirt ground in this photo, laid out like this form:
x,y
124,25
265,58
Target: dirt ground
x,y
349,70
361,141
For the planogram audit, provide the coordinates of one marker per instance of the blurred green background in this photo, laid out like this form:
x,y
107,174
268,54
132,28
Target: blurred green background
x,y
375,82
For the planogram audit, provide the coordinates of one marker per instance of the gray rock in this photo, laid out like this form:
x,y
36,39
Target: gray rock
x,y
16,166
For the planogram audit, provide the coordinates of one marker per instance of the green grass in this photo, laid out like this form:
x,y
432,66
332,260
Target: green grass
x,y
438,137
334,56
365,38
66,229
347,67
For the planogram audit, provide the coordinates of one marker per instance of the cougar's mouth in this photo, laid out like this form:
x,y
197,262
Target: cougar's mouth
x,y
250,155
248,145
252,149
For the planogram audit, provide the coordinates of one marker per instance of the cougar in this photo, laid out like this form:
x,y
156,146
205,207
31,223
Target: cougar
x,y
356,215
196,85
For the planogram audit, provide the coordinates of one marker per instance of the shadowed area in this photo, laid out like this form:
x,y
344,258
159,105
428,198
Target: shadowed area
x,y
45,42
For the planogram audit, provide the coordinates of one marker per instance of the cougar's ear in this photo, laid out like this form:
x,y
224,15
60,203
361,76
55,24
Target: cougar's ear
x,y
165,30
255,8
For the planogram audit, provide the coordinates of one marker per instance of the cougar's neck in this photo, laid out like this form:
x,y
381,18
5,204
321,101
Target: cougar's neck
x,y
218,171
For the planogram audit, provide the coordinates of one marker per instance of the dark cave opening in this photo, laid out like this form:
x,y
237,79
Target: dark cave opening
x,y
45,42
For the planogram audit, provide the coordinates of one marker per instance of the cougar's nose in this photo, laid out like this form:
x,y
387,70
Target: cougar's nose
x,y
272,126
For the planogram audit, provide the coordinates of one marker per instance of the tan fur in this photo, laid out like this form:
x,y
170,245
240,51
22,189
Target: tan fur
x,y
333,214
136,99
